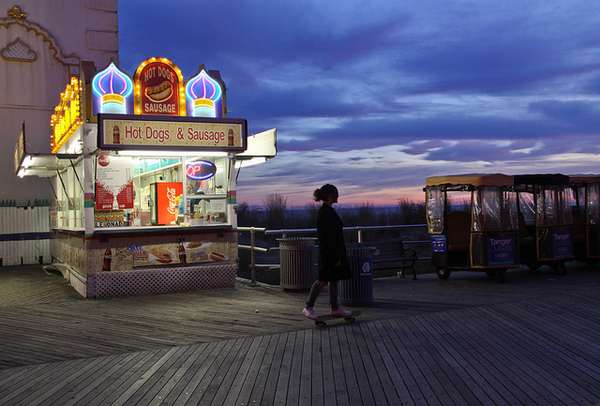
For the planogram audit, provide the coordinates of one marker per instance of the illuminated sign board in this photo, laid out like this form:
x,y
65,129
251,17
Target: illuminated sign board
x,y
112,92
200,170
159,88
117,132
67,115
204,96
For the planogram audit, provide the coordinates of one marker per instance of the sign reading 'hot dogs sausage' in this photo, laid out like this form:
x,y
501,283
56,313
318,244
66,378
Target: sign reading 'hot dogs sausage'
x,y
159,90
119,132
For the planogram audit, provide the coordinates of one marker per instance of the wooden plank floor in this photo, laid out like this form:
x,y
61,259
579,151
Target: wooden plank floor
x,y
543,351
50,323
535,340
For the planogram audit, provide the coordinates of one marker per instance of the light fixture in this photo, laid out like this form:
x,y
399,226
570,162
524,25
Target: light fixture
x,y
172,153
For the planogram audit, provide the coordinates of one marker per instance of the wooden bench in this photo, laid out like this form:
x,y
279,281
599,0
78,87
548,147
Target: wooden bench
x,y
393,254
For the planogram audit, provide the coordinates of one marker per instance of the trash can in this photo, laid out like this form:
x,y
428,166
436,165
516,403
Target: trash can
x,y
358,290
297,263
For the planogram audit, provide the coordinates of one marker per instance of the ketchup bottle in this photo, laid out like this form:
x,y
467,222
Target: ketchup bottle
x,y
116,135
107,260
182,254
230,138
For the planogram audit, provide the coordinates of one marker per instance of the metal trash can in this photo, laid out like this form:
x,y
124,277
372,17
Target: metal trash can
x,y
358,290
297,263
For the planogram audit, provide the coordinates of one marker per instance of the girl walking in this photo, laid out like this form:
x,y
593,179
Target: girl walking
x,y
333,262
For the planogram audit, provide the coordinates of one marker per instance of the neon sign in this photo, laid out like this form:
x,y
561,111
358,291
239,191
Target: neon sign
x,y
200,170
159,88
67,115
112,91
204,96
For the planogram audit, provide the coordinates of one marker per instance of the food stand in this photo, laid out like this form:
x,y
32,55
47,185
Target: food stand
x,y
144,176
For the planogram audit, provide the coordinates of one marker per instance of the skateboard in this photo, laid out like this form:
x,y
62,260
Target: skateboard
x,y
321,321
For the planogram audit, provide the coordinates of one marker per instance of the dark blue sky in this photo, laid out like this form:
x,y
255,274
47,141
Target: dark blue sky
x,y
374,96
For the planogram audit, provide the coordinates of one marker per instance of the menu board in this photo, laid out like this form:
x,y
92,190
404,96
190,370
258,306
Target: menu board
x,y
114,183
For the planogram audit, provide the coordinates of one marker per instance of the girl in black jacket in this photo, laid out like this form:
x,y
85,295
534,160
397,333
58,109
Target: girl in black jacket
x,y
333,262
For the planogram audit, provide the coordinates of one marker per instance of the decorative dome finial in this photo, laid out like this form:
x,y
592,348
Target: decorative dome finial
x,y
16,12
111,89
204,95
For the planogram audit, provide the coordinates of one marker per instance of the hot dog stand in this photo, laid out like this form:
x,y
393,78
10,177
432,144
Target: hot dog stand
x,y
144,173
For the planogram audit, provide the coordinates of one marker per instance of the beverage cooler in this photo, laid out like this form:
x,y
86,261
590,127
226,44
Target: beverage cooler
x,y
167,203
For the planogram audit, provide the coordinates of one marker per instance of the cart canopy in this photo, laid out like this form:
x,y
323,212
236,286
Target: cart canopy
x,y
492,179
584,179
542,179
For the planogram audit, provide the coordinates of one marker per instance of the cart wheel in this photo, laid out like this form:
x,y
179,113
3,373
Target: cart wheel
x,y
560,268
500,275
443,273
491,274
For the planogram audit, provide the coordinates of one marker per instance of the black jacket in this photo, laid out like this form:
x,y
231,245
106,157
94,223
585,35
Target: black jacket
x,y
333,261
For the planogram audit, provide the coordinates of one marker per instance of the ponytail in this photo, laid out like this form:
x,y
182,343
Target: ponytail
x,y
318,195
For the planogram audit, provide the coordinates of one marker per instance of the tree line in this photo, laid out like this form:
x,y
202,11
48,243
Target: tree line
x,y
275,214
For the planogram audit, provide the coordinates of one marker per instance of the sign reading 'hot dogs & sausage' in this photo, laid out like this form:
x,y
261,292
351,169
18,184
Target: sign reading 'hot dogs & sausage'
x,y
119,132
159,88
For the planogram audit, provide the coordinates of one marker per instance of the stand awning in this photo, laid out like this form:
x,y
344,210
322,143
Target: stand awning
x,y
46,165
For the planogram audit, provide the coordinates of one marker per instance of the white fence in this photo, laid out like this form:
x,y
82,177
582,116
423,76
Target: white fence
x,y
24,235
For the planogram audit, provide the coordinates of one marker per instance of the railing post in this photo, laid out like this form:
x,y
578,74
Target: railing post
x,y
252,257
359,236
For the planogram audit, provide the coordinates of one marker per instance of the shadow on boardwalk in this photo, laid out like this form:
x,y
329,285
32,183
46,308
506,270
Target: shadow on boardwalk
x,y
535,340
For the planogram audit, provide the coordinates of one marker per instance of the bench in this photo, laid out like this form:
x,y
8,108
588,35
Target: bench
x,y
395,255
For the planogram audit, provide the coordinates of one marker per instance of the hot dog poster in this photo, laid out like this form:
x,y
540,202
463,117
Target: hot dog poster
x,y
159,90
184,253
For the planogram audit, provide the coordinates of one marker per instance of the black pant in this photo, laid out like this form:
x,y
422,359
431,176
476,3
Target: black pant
x,y
316,289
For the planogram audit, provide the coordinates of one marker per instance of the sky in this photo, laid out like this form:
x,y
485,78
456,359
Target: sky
x,y
374,96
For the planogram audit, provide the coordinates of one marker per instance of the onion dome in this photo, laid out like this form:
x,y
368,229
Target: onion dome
x,y
204,95
111,89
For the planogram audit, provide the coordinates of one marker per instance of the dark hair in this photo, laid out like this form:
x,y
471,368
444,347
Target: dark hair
x,y
324,192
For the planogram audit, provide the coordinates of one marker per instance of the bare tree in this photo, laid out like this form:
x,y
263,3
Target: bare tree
x,y
411,212
276,206
366,214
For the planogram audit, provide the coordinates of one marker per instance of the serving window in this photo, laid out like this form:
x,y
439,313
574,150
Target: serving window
x,y
133,191
67,212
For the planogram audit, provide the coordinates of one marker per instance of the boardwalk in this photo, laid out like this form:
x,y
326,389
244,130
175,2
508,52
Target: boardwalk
x,y
468,341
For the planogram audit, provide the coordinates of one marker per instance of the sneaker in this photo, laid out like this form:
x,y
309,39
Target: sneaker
x,y
309,312
341,312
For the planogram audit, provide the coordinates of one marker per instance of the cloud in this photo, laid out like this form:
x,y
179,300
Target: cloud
x,y
578,115
375,96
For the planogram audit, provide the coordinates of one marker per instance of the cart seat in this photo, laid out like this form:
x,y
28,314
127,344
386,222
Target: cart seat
x,y
458,225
